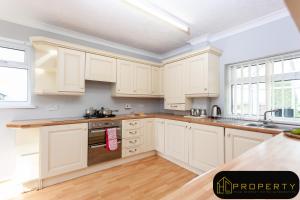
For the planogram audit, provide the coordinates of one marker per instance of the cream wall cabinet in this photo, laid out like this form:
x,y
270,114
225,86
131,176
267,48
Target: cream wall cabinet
x,y
63,149
159,131
202,76
174,85
58,71
176,140
238,141
157,81
206,146
100,68
148,135
136,80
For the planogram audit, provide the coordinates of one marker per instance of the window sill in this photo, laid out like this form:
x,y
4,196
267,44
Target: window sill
x,y
18,106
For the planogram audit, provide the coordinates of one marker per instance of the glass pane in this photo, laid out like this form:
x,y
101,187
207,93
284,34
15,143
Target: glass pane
x,y
288,66
12,55
238,73
254,99
297,64
262,70
238,99
13,84
277,69
233,101
246,101
245,71
253,71
262,98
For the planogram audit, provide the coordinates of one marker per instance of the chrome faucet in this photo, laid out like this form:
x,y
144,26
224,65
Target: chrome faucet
x,y
269,111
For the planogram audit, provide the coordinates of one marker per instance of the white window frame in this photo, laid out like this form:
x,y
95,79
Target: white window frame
x,y
268,78
23,46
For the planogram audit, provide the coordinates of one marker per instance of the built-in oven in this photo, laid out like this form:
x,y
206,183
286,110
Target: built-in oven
x,y
97,151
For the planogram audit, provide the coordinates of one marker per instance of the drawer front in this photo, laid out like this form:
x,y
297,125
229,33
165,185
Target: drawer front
x,y
131,124
131,151
131,133
133,142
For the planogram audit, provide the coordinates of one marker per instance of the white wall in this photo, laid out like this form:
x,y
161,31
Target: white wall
x,y
97,94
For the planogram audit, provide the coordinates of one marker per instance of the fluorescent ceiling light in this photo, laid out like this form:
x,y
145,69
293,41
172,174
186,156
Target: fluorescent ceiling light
x,y
159,13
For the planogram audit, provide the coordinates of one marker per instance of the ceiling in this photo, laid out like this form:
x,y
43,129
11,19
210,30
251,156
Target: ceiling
x,y
116,21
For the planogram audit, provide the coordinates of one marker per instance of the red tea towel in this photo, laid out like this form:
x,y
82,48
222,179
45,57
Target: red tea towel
x,y
111,139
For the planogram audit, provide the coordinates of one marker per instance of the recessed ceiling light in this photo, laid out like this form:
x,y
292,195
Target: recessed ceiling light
x,y
159,13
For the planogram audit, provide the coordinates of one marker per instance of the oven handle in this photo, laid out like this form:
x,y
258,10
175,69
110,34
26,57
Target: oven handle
x,y
100,145
101,130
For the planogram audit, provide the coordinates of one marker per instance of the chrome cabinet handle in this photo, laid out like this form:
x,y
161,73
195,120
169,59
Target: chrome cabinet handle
x,y
132,132
131,151
133,142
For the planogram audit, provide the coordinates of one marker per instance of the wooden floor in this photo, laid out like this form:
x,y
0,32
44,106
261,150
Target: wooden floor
x,y
149,178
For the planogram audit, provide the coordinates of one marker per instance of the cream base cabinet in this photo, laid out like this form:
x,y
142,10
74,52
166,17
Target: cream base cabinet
x,y
159,132
71,66
148,142
63,149
100,68
238,141
176,144
206,146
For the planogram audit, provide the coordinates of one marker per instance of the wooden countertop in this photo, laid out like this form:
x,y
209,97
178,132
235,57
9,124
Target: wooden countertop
x,y
280,153
206,121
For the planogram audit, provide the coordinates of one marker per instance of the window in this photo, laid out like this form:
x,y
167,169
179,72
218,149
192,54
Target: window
x,y
270,83
14,75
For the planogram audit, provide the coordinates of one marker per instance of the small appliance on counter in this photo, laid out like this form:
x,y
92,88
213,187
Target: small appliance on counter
x,y
99,113
216,112
197,113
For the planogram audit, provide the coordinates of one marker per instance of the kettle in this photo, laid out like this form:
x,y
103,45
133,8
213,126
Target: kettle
x,y
215,111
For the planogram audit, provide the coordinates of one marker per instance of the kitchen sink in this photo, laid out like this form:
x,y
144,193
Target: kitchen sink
x,y
284,127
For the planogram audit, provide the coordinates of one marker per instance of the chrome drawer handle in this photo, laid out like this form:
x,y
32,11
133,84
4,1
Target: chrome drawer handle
x,y
133,142
132,132
132,151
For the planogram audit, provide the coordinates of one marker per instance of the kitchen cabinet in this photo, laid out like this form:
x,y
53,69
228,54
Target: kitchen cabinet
x,y
238,141
206,146
100,68
125,77
142,79
159,132
134,80
202,76
148,135
132,135
58,71
176,140
156,81
174,84
71,65
63,149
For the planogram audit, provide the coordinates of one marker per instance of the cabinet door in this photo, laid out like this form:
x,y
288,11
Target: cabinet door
x,y
161,86
197,75
176,144
100,68
125,76
155,81
174,82
71,70
148,135
159,130
63,149
206,146
142,79
238,141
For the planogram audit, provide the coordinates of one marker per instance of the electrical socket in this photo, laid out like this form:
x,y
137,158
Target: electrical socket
x,y
128,106
53,107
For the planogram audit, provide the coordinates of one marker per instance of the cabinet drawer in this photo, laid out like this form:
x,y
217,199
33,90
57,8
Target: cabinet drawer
x,y
131,124
131,133
131,151
128,143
